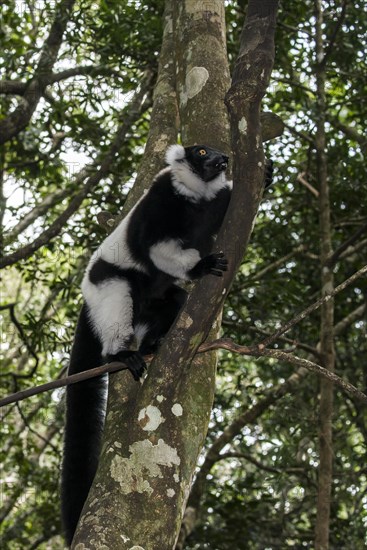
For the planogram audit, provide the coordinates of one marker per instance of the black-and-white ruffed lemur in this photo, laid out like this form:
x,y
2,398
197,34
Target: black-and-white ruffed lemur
x,y
131,299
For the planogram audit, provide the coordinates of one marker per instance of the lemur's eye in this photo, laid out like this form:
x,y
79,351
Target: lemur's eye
x,y
202,152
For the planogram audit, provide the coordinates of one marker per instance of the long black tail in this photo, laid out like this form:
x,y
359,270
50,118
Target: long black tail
x,y
85,412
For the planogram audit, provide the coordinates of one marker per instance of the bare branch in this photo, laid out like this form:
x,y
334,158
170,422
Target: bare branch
x,y
35,213
301,179
254,351
343,247
313,307
259,351
61,382
20,117
139,103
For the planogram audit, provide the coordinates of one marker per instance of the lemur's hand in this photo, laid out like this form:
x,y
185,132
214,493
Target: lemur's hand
x,y
214,264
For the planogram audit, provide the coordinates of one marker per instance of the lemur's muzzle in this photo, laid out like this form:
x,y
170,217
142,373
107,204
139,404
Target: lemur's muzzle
x,y
223,163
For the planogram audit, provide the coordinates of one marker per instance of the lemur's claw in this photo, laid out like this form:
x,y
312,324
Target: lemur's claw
x,y
133,360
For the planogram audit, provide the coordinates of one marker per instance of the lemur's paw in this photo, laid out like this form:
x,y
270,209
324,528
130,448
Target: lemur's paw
x,y
133,360
215,264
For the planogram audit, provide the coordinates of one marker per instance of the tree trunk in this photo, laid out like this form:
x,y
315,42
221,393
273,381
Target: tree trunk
x,y
327,311
154,432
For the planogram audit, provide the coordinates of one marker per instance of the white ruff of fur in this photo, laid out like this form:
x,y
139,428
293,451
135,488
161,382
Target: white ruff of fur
x,y
189,184
175,153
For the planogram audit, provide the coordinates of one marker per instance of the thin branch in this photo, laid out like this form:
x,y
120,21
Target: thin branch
x,y
259,351
35,213
312,350
350,318
353,249
23,337
301,135
254,351
337,253
61,382
270,267
16,87
313,307
33,431
304,182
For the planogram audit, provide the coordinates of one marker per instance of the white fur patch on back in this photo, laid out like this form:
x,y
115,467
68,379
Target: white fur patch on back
x,y
111,313
175,153
171,258
114,248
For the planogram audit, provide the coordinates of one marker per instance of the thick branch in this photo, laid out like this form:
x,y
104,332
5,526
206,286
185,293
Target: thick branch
x,y
20,117
35,213
327,349
16,87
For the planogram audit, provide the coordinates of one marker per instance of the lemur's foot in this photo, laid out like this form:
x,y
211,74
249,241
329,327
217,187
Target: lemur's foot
x,y
133,360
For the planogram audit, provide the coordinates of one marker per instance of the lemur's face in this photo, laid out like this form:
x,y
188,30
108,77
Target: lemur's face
x,y
206,162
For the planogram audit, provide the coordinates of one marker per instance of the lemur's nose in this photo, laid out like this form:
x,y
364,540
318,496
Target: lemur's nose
x,y
224,162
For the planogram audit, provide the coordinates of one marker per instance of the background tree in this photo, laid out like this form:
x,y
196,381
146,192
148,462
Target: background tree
x,y
263,480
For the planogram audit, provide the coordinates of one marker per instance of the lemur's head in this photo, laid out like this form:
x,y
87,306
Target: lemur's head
x,y
198,171
204,161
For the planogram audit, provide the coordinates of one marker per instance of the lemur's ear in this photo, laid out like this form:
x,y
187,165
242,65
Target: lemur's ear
x,y
175,153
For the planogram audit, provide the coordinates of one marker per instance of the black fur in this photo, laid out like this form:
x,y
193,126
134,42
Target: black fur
x,y
185,205
163,213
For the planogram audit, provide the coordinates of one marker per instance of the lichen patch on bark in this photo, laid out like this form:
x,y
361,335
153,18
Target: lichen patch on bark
x,y
146,461
242,125
150,418
195,81
185,321
177,409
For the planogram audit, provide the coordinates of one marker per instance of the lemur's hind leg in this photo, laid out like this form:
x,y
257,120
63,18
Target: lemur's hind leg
x,y
157,318
111,311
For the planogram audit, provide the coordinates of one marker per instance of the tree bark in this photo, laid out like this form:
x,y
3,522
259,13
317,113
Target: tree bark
x,y
164,125
155,432
327,351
